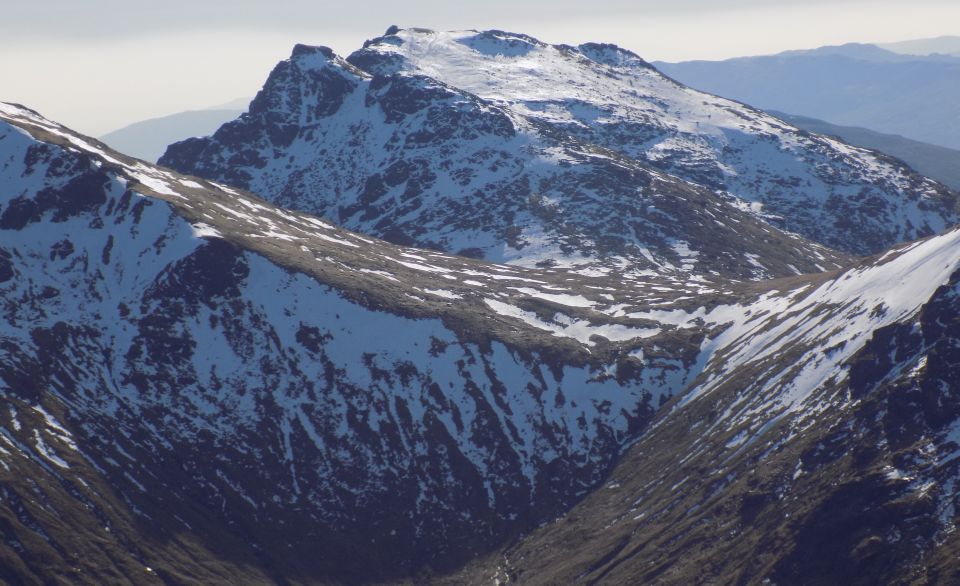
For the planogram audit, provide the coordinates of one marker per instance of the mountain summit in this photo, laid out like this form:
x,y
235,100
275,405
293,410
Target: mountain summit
x,y
499,145
416,161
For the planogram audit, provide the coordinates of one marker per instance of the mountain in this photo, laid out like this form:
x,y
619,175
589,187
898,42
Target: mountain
x,y
864,52
500,146
938,163
148,139
199,386
415,161
202,387
859,51
945,45
818,445
853,85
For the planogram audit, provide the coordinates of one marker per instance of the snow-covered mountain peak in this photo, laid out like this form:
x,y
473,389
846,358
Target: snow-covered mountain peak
x,y
808,184
612,55
317,58
411,158
311,84
308,57
299,50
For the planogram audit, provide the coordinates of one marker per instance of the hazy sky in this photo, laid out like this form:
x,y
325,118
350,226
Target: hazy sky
x,y
97,65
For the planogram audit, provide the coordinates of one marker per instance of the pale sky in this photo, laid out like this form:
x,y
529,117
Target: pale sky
x,y
97,65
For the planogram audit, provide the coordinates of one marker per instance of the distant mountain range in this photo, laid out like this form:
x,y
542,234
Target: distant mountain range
x,y
148,139
855,85
947,45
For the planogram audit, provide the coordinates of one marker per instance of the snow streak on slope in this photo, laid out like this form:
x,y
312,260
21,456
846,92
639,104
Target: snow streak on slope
x,y
841,196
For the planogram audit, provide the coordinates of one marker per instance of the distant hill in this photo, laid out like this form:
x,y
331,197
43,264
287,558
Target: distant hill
x,y
941,45
934,161
854,85
234,104
147,139
860,51
905,52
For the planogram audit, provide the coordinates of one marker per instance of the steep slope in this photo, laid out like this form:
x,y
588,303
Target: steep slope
x,y
412,160
186,368
829,192
936,162
818,446
911,98
148,139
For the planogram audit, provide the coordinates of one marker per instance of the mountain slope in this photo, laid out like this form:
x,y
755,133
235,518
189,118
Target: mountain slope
x,y
936,162
201,351
415,161
183,403
910,98
818,446
815,186
148,139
